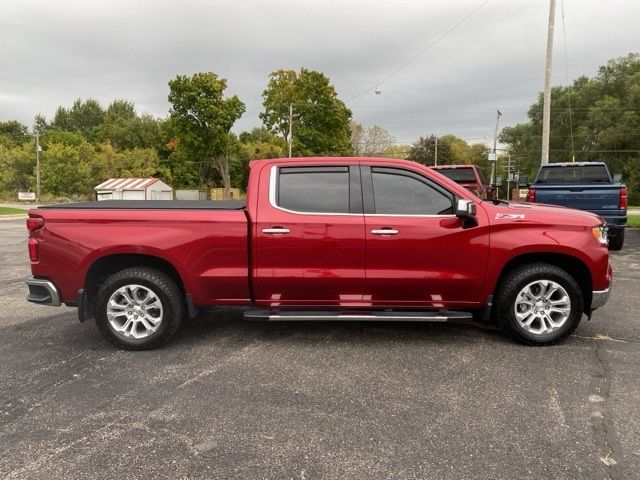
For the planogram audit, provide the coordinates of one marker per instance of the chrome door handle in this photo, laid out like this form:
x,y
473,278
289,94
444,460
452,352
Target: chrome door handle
x,y
275,230
385,231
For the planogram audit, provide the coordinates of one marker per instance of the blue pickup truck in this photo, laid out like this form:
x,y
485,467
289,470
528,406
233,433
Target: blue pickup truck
x,y
584,186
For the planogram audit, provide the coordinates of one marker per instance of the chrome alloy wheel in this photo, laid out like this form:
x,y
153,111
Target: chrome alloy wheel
x,y
542,307
134,311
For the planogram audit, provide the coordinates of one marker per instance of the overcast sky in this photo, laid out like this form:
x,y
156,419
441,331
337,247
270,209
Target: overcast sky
x,y
54,51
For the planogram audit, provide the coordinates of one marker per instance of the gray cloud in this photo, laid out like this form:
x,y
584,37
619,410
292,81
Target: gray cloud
x,y
52,52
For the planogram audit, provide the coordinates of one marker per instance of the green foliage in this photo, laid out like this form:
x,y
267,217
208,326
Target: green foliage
x,y
84,117
321,121
201,114
605,116
202,118
452,150
13,132
16,167
67,169
397,151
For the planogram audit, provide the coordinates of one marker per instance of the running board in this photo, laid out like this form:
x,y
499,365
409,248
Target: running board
x,y
375,316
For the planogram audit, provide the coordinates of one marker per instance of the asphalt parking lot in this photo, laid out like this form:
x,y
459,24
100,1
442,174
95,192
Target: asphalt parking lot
x,y
231,399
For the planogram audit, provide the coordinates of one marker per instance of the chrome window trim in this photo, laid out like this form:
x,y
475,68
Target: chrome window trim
x,y
273,180
273,184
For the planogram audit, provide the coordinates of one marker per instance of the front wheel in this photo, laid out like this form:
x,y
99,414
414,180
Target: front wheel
x,y
539,304
139,308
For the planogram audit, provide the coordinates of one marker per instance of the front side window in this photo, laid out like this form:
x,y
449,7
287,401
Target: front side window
x,y
398,192
313,189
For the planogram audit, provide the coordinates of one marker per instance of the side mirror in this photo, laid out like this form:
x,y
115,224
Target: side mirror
x,y
466,212
617,177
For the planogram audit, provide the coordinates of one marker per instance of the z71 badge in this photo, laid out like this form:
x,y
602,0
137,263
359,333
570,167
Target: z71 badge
x,y
509,216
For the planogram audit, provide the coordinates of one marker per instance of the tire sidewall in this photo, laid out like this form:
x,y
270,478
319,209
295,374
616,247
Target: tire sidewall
x,y
168,308
575,295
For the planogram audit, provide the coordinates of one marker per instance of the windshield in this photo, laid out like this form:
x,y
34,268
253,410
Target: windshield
x,y
465,175
574,175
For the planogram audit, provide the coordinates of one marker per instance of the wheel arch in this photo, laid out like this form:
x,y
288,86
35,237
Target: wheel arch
x,y
569,263
107,265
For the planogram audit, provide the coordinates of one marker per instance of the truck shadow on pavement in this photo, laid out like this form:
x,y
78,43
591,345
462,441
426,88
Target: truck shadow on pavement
x,y
222,322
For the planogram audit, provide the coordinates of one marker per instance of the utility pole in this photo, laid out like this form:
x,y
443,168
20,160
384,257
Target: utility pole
x,y
38,149
546,111
436,152
495,149
508,176
290,136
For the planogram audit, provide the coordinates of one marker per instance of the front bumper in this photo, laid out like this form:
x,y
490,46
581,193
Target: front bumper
x,y
43,292
599,298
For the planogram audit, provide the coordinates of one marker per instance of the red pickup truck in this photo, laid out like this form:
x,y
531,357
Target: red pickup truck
x,y
470,177
323,239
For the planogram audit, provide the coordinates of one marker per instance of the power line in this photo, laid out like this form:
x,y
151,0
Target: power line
x,y
421,52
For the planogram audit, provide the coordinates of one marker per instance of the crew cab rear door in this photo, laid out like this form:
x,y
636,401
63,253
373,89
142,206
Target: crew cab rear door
x,y
418,253
309,236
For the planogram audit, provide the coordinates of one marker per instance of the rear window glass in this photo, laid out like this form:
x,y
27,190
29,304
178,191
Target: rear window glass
x,y
458,174
571,175
314,189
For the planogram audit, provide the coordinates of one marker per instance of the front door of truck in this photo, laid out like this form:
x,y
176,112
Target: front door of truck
x,y
309,236
418,254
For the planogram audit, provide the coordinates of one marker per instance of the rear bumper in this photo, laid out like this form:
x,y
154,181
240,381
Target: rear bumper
x,y
43,292
600,297
615,222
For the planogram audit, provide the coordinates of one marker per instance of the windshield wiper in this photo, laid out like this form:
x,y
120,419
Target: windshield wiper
x,y
497,201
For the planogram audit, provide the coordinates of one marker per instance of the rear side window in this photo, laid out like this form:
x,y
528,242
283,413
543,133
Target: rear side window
x,y
314,189
398,192
573,175
458,174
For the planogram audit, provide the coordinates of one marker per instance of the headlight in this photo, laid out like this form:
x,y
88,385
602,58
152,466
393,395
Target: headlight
x,y
601,234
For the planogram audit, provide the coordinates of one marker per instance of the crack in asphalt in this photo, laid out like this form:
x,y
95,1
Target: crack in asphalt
x,y
607,448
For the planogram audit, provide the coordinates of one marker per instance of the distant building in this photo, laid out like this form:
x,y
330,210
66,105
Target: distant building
x,y
133,189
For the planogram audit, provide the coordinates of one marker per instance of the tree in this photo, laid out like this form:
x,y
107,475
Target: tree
x,y
67,170
423,151
397,151
371,141
320,119
84,117
203,118
259,143
601,125
13,132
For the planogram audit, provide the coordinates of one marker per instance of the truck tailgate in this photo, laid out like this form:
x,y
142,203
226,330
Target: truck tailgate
x,y
600,199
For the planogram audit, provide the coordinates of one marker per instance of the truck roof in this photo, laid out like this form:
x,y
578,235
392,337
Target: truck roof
x,y
438,167
571,164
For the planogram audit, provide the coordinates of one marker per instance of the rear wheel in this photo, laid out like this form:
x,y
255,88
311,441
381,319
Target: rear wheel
x,y
139,308
539,304
616,239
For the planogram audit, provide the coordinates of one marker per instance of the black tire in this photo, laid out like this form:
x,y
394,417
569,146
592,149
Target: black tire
x,y
162,286
509,289
617,240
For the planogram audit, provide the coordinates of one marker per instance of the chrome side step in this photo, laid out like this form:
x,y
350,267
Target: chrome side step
x,y
357,316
